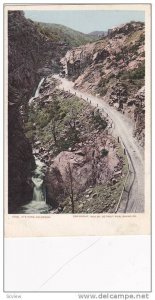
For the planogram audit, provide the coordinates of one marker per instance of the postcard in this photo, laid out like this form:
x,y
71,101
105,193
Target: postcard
x,y
77,99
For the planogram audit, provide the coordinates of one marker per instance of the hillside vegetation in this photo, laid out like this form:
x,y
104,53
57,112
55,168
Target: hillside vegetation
x,y
74,141
114,69
64,34
85,166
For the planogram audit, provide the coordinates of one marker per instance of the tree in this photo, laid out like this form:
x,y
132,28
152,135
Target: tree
x,y
72,117
55,116
71,122
70,185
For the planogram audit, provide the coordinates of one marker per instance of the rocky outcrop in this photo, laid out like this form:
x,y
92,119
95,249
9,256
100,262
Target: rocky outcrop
x,y
75,61
113,68
89,165
118,95
126,28
32,54
84,151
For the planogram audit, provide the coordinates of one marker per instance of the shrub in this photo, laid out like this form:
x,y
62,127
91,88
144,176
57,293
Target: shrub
x,y
134,48
99,121
62,115
72,138
28,126
102,82
104,152
124,75
138,73
103,91
30,135
42,118
142,38
118,56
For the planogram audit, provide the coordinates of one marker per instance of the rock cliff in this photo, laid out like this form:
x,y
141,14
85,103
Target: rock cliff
x,y
32,54
23,60
29,54
114,69
64,132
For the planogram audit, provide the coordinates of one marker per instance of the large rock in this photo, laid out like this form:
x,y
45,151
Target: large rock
x,y
126,28
80,171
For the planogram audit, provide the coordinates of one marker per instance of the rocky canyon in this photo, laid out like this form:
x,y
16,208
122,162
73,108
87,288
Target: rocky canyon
x,y
66,91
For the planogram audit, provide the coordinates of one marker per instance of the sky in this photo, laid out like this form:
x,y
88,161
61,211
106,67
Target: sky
x,y
86,21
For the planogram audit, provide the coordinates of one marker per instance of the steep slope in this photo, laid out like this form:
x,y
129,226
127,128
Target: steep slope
x,y
64,34
70,137
132,199
74,141
24,58
114,68
32,54
29,54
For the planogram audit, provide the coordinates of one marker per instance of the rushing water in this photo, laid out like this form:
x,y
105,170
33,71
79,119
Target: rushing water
x,y
38,88
39,193
37,91
38,204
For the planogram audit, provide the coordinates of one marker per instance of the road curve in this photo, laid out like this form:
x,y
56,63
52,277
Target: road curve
x,y
124,129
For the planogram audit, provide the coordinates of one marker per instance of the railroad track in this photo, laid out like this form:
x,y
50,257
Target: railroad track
x,y
131,170
128,182
134,177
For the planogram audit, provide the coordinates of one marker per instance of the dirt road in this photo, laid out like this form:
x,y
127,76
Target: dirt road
x,y
123,129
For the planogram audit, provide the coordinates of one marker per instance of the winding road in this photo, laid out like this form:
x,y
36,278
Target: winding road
x,y
123,129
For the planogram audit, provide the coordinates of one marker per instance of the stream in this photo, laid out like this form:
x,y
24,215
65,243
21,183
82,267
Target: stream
x,y
38,203
37,91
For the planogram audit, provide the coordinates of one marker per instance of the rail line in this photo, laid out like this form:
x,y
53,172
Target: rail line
x,y
131,170
134,177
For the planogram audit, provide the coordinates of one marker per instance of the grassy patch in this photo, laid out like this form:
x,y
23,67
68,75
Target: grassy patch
x,y
64,34
119,56
135,74
62,123
135,36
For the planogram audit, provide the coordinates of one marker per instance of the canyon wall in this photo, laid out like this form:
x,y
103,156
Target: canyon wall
x,y
29,54
114,69
24,57
33,52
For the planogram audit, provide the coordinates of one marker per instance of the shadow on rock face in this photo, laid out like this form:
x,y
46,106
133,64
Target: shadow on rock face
x,y
54,187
